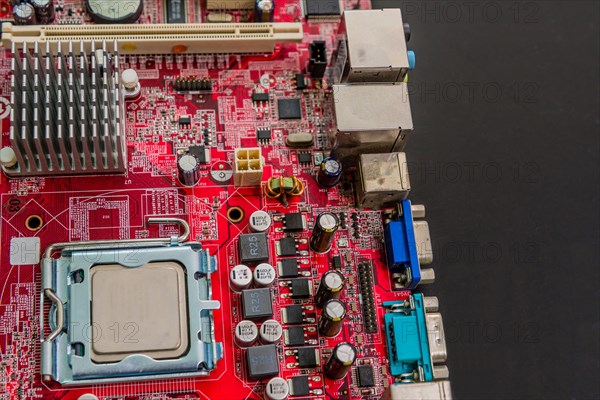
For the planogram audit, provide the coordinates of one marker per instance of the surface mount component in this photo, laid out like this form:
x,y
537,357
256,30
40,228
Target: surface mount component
x,y
365,375
408,246
162,38
257,303
289,109
67,112
374,49
382,180
159,291
229,4
371,118
114,11
262,362
321,9
415,339
253,248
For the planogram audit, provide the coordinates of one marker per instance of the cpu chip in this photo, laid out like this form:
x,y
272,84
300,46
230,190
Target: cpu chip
x,y
149,302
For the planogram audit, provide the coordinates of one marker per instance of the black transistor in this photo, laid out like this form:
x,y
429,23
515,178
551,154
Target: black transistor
x,y
288,268
293,314
300,288
293,222
294,336
287,247
256,97
299,385
308,357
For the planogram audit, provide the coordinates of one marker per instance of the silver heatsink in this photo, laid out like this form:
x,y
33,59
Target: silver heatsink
x,y
67,111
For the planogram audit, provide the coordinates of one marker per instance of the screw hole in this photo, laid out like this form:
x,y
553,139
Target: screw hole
x,y
34,223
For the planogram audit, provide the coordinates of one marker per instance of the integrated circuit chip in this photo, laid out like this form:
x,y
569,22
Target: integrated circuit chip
x,y
257,303
253,248
262,362
366,376
263,135
304,157
289,108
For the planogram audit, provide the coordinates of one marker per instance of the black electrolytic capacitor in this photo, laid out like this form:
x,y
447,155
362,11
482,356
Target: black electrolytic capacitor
x,y
332,318
332,283
44,10
330,172
188,169
24,14
324,231
264,10
341,360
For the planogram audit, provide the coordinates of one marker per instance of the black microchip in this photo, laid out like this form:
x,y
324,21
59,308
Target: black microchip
x,y
308,357
262,362
293,222
288,268
257,303
260,96
366,377
300,81
287,247
253,248
176,11
185,120
263,134
304,157
321,8
299,385
300,288
289,109
294,336
199,152
293,314
337,262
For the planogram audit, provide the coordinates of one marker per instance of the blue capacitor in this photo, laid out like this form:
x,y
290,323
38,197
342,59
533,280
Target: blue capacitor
x,y
264,10
330,172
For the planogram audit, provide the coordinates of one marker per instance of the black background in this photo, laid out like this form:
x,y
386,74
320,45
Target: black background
x,y
505,157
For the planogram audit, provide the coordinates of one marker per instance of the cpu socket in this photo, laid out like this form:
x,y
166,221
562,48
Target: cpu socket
x,y
129,314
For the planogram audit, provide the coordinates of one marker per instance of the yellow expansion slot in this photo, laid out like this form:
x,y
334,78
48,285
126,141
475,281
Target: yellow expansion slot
x,y
161,38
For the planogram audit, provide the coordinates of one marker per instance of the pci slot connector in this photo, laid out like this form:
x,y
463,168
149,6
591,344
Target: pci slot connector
x,y
161,38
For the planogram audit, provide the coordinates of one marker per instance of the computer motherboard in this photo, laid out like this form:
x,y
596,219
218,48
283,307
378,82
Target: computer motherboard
x,y
209,200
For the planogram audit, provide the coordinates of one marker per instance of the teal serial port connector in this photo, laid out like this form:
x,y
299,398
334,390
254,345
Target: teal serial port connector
x,y
415,339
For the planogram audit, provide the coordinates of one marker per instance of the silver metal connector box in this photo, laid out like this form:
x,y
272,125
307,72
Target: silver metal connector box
x,y
382,180
374,118
375,47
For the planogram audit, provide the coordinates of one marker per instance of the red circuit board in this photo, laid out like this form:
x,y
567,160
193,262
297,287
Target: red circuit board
x,y
118,206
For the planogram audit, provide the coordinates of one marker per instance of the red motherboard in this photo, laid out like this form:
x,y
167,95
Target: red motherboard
x,y
117,207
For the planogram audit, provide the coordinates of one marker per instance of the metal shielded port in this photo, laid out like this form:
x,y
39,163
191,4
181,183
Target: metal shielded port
x,y
382,180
